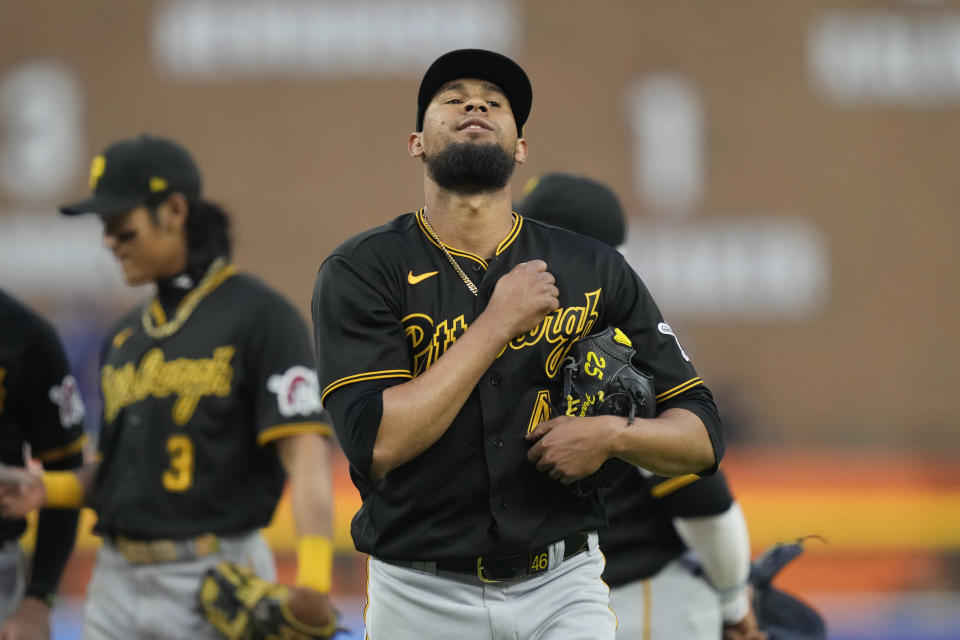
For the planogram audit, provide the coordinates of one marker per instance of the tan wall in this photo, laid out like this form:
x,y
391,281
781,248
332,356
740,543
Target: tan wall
x,y
304,162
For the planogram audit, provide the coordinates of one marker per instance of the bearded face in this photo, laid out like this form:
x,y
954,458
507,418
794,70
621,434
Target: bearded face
x,y
470,168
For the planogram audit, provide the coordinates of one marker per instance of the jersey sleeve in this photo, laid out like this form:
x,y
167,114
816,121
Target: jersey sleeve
x,y
55,431
659,352
280,360
355,312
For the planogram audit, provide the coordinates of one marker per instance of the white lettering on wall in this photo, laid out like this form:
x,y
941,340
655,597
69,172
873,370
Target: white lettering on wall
x,y
217,40
754,268
665,119
40,131
883,57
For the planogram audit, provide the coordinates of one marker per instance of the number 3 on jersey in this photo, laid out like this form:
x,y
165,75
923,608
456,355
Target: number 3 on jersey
x,y
179,476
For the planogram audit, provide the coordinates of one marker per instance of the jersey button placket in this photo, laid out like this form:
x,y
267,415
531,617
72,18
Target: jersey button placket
x,y
495,379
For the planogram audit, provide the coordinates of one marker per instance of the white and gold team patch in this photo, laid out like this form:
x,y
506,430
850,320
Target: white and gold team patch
x,y
298,391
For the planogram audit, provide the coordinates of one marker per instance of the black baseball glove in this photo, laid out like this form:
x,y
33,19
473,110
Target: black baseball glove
x,y
242,606
599,378
780,615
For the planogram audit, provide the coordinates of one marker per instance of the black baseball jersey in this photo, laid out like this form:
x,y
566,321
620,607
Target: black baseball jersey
x,y
641,538
39,401
387,304
190,403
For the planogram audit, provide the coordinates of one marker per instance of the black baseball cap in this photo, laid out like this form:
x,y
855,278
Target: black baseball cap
x,y
576,203
131,172
482,64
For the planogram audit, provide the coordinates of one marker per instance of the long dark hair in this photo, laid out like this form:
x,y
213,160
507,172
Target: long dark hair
x,y
207,230
208,235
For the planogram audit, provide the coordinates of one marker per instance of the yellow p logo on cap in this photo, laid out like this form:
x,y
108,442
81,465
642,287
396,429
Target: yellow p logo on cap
x,y
96,170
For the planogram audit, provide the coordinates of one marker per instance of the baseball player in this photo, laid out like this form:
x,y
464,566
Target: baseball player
x,y
209,393
441,335
39,406
677,549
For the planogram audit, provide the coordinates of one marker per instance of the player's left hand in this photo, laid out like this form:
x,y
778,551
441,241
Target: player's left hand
x,y
31,621
311,607
240,604
567,450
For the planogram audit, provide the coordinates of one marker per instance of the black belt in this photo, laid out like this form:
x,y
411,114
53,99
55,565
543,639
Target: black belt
x,y
513,567
165,550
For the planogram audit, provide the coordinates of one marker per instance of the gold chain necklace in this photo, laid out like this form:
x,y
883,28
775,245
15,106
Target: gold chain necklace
x,y
463,276
193,298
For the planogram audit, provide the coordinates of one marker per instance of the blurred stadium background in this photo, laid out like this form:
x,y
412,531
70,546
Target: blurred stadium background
x,y
788,168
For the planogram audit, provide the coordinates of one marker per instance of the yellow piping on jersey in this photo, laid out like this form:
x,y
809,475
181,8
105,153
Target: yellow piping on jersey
x,y
67,450
451,250
506,242
279,431
514,232
680,388
362,377
366,636
671,485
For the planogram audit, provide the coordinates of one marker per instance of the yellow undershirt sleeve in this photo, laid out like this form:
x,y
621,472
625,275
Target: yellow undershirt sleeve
x,y
64,490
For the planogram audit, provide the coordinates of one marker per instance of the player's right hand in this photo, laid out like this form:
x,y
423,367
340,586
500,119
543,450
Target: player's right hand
x,y
21,492
522,298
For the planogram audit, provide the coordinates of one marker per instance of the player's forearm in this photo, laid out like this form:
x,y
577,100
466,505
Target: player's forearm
x,y
674,443
56,533
722,544
306,458
417,413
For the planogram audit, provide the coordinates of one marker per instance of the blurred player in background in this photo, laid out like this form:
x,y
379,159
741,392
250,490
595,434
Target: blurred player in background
x,y
677,549
40,407
210,395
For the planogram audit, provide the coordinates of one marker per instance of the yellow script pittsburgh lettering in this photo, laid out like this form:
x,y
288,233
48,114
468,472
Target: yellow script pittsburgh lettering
x,y
561,328
189,380
428,340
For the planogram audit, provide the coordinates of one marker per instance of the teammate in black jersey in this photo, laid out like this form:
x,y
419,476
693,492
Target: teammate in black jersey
x,y
210,400
677,549
440,337
39,406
